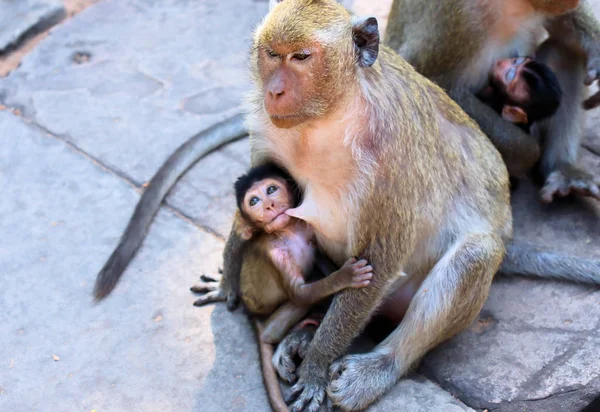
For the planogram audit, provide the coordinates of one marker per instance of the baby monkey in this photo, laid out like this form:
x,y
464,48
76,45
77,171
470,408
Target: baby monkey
x,y
522,90
281,255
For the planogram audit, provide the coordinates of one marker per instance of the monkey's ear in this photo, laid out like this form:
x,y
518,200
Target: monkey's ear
x,y
365,33
273,3
242,227
514,114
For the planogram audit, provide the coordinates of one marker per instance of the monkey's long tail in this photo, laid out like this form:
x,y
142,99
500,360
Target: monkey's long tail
x,y
268,371
524,259
176,165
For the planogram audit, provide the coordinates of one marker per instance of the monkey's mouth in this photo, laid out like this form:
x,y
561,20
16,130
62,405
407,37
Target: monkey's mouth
x,y
288,121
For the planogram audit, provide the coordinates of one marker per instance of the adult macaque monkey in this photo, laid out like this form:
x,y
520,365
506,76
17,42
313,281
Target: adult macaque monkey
x,y
455,42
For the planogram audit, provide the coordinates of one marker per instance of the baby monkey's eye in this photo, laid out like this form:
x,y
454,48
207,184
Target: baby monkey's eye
x,y
510,75
271,189
254,200
271,53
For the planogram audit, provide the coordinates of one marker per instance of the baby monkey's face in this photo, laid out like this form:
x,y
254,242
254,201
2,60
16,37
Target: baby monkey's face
x,y
507,75
267,200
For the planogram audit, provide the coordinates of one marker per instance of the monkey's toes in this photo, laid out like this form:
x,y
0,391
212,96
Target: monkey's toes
x,y
310,396
210,278
358,380
204,287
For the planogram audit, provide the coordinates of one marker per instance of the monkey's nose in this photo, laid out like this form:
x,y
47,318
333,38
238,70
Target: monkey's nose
x,y
276,93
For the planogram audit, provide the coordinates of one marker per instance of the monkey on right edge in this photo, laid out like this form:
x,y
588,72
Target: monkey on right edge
x,y
455,42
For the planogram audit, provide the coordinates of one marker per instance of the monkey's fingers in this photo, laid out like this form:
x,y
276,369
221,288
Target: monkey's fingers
x,y
309,396
592,102
283,360
363,270
558,185
362,281
210,277
210,297
204,287
360,264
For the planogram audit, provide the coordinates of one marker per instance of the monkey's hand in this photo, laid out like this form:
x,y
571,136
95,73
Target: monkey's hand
x,y
211,292
569,179
354,274
293,346
310,391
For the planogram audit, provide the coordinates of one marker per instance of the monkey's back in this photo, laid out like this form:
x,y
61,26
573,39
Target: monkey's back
x,y
260,285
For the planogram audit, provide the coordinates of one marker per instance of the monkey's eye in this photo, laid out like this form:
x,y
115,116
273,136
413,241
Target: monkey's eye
x,y
271,189
271,53
510,75
253,201
301,56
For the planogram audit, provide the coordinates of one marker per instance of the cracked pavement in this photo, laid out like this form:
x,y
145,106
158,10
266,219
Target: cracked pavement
x,y
90,115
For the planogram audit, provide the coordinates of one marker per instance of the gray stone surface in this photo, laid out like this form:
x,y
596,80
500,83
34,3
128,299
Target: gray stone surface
x,y
152,81
144,349
20,18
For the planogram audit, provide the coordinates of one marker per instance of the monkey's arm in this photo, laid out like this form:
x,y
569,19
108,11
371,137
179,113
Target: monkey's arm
x,y
519,150
233,257
582,27
354,273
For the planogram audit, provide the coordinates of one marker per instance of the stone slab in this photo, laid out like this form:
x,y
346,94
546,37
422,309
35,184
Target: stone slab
x,y
149,81
21,18
146,348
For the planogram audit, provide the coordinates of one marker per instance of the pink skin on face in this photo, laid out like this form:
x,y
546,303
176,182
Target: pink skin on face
x,y
266,202
507,73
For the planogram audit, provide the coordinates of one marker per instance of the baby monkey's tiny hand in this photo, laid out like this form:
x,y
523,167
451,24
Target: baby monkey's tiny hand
x,y
355,274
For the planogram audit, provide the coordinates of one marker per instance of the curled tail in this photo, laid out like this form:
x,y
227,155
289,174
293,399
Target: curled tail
x,y
523,259
181,160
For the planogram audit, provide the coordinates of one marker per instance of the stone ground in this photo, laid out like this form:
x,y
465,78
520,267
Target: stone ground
x,y
90,115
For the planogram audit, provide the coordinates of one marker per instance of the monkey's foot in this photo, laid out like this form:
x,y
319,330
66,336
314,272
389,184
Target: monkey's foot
x,y
310,394
570,180
356,381
294,345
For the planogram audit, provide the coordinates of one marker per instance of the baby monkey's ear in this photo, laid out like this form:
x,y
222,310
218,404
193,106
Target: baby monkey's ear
x,y
243,228
514,114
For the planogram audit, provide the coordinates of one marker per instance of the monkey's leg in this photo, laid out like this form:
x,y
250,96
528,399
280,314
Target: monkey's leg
x,y
348,314
281,321
447,302
562,133
520,151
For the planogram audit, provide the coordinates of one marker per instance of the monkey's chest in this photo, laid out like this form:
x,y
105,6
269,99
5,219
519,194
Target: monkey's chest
x,y
302,250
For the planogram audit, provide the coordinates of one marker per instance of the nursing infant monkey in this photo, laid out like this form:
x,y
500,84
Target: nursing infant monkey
x,y
522,91
285,250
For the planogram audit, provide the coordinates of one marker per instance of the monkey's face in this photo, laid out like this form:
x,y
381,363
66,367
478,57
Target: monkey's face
x,y
507,77
303,59
267,200
554,7
292,80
